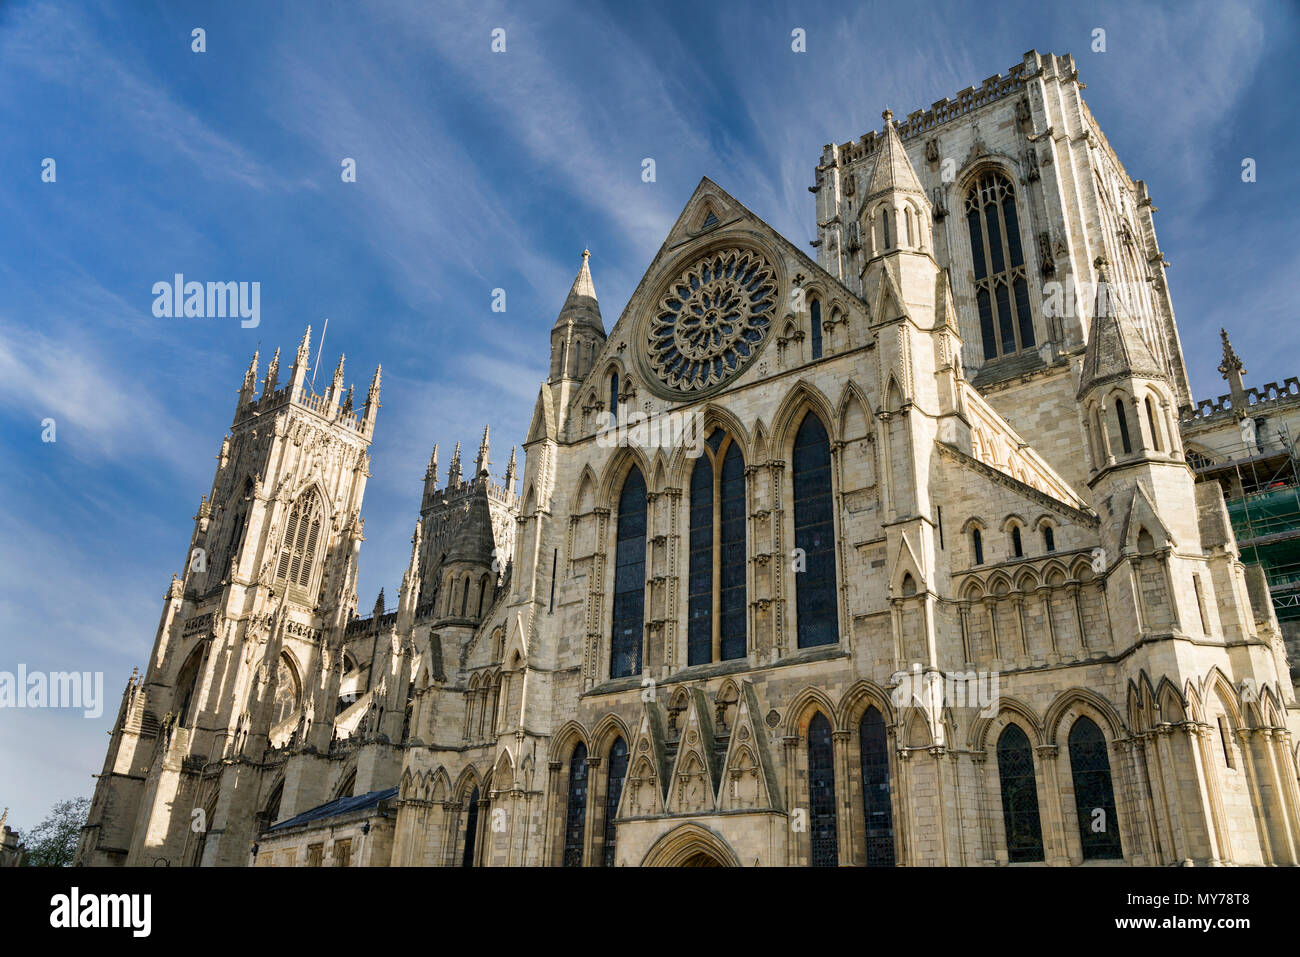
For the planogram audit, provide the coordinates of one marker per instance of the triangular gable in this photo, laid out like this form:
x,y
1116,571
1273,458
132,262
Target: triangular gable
x,y
1142,514
695,773
647,769
542,425
905,561
749,778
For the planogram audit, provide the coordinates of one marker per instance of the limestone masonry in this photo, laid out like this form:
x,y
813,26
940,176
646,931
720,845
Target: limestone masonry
x,y
934,583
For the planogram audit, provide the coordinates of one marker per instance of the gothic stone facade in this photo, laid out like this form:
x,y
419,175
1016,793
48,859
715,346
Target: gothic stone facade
x,y
909,466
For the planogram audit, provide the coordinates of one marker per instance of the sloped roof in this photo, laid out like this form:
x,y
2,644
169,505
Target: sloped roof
x,y
893,170
1116,349
581,307
335,808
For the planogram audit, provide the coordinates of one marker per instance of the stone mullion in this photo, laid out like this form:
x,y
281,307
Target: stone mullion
x,y
991,606
964,611
1125,799
907,844
550,826
983,813
843,798
1256,797
791,744
841,542
672,600
1207,788
1078,618
1045,593
1167,770
1048,772
451,814
945,838
596,588
776,468
594,799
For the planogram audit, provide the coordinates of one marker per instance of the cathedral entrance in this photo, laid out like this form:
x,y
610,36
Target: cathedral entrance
x,y
701,859
690,845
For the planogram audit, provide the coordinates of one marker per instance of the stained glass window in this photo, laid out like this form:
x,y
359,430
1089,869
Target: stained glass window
x,y
815,309
471,830
1019,796
575,816
629,578
1001,283
731,560
699,628
1093,795
814,534
821,794
613,792
717,541
874,750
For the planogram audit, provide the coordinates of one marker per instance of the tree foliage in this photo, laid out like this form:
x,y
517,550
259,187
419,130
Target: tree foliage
x,y
53,842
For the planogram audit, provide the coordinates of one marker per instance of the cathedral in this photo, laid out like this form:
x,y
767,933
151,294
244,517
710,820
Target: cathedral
x,y
888,557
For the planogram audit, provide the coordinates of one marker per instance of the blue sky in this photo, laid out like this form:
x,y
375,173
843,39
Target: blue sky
x,y
478,171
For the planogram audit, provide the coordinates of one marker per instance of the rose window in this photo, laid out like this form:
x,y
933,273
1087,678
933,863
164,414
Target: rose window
x,y
711,320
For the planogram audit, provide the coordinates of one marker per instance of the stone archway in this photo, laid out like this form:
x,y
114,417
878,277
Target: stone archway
x,y
690,845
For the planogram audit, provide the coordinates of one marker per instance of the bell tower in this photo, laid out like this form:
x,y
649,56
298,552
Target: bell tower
x,y
251,628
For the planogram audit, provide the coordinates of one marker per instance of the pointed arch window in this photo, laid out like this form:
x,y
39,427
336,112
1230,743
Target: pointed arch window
x,y
716,605
298,548
616,775
1093,794
1124,439
821,794
1049,538
1001,283
977,545
613,398
471,830
814,534
575,815
629,578
1019,796
1151,422
877,806
815,312
1017,544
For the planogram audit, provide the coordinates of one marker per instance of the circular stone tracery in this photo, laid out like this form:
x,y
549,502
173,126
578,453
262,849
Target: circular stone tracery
x,y
711,320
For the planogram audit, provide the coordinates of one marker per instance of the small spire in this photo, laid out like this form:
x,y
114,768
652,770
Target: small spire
x,y
374,385
431,473
272,374
250,377
893,170
379,604
299,374
481,463
304,348
347,400
510,471
453,473
338,371
1232,368
581,306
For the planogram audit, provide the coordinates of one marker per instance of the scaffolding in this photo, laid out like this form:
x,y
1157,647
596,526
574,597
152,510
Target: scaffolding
x,y
1261,486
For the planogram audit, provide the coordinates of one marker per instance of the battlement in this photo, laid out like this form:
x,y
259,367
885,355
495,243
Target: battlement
x,y
1268,396
993,89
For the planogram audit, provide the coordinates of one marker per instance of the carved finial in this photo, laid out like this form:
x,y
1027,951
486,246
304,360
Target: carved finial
x,y
272,374
347,401
431,473
453,473
481,463
1232,368
510,471
887,116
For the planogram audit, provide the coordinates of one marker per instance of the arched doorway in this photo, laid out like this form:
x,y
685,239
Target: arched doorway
x,y
690,845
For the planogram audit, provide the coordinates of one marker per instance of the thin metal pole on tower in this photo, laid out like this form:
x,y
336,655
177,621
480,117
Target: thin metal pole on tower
x,y
319,346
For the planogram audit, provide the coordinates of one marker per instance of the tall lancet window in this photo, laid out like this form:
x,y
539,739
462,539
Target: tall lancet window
x,y
298,548
1001,283
613,398
716,606
575,814
815,313
629,578
1093,795
1019,796
814,536
821,794
615,776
